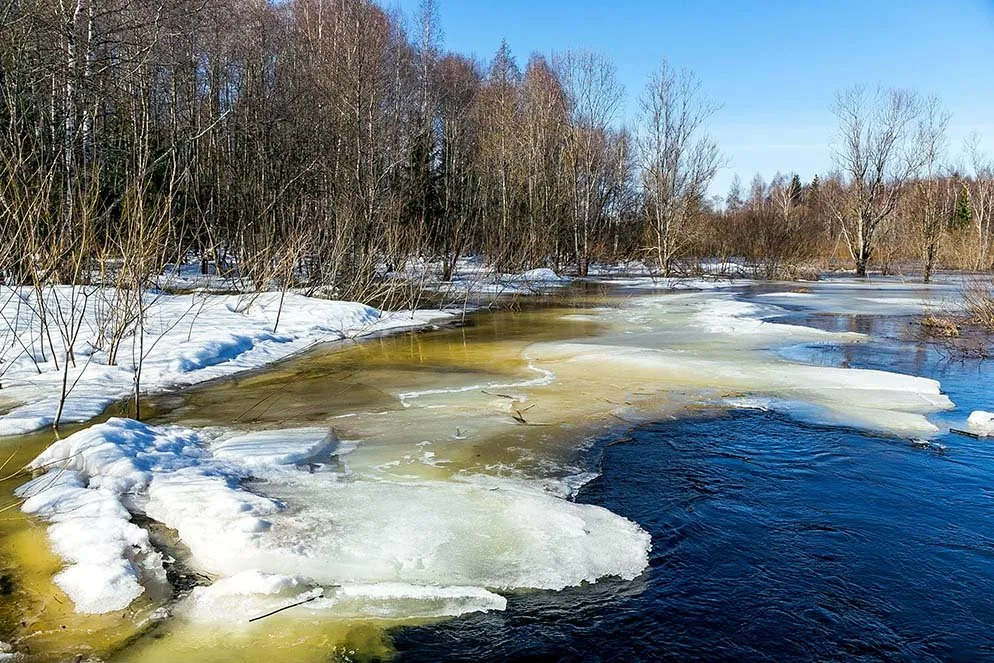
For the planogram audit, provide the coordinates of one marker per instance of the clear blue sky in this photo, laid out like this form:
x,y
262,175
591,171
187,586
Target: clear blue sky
x,y
774,66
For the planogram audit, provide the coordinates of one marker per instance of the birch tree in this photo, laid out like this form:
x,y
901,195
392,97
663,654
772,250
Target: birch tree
x,y
931,191
876,155
678,159
980,192
594,97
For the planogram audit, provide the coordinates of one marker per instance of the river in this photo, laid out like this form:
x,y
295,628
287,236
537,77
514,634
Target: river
x,y
623,475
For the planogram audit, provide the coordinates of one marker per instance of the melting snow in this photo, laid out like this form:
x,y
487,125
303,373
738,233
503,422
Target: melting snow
x,y
188,339
982,422
444,543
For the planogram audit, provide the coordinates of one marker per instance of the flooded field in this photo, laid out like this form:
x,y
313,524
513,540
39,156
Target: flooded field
x,y
419,495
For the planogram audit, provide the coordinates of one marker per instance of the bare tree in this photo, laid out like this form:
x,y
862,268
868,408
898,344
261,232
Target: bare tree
x,y
932,207
877,155
594,96
980,192
678,160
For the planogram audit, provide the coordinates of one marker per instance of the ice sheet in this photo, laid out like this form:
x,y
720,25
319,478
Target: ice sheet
x,y
398,540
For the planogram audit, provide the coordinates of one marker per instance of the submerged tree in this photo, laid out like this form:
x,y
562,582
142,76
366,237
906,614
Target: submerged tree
x,y
931,190
678,160
877,155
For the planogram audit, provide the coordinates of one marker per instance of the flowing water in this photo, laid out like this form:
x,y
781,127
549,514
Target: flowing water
x,y
797,508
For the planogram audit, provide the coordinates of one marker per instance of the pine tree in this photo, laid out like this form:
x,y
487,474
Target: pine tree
x,y
963,213
813,190
795,190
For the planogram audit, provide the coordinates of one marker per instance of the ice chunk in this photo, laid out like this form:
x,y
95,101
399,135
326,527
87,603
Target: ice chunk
x,y
982,422
394,599
252,594
7,653
499,534
430,547
731,316
268,449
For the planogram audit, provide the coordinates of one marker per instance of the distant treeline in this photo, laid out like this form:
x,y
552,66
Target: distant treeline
x,y
328,141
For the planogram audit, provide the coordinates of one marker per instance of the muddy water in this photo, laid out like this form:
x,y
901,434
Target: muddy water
x,y
33,611
355,388
525,395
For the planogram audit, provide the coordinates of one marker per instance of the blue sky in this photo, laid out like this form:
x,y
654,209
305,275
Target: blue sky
x,y
774,66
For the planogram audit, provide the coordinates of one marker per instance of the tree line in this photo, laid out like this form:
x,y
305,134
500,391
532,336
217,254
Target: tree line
x,y
328,142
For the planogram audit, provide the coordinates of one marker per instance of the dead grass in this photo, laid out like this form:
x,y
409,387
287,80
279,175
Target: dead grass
x,y
979,299
937,326
969,335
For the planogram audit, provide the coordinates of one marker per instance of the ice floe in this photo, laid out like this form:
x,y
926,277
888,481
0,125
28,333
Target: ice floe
x,y
445,545
981,422
875,400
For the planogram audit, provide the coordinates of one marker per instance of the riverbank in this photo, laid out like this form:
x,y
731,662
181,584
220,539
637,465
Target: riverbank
x,y
69,352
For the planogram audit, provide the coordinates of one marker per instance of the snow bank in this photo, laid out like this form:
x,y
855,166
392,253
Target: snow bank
x,y
107,556
188,339
981,422
479,283
420,547
542,275
659,283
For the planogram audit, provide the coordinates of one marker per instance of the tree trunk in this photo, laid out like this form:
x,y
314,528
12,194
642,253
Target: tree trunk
x,y
861,263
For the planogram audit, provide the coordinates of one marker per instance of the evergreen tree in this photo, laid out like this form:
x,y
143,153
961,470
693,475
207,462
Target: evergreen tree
x,y
963,213
733,201
795,190
813,190
504,69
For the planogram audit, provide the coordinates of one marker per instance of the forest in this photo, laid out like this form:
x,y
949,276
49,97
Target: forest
x,y
326,143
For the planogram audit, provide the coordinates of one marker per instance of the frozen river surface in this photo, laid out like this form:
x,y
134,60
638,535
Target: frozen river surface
x,y
749,472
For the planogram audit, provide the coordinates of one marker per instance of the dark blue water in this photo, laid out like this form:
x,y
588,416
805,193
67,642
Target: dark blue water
x,y
774,539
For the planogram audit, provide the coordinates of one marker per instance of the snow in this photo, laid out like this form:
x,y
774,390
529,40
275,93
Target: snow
x,y
713,268
682,283
878,296
188,339
542,275
107,556
981,422
730,316
7,653
381,539
479,282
